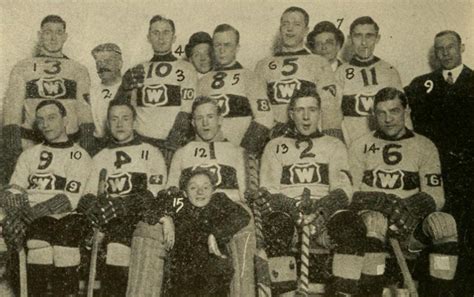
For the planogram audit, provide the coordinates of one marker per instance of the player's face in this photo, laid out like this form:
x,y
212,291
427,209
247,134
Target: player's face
x,y
448,51
51,123
108,65
305,115
161,37
199,190
206,121
364,38
390,116
201,58
225,47
52,37
325,45
293,29
121,122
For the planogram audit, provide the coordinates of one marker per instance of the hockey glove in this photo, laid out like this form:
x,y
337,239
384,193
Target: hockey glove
x,y
57,205
134,78
388,204
86,206
14,230
268,203
10,200
413,210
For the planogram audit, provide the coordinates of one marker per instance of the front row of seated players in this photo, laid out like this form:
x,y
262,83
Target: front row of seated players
x,y
45,187
398,192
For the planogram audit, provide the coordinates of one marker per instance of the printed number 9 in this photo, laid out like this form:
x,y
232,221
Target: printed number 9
x,y
429,86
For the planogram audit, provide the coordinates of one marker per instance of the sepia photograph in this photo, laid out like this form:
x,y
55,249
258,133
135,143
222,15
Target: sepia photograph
x,y
236,148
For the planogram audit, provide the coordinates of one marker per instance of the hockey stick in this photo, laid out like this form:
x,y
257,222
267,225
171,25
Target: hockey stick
x,y
261,260
303,288
407,279
97,238
23,280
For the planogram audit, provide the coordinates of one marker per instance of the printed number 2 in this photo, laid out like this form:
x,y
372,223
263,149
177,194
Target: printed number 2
x,y
121,159
305,153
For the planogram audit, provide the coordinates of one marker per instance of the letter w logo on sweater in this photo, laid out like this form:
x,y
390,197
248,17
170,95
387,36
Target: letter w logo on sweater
x,y
388,179
119,184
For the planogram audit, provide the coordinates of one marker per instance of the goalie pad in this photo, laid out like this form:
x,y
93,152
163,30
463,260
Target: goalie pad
x,y
147,257
255,138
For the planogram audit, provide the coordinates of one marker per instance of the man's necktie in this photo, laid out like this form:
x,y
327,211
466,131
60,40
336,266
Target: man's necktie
x,y
450,79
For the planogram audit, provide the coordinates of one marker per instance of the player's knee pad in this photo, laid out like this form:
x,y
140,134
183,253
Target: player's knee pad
x,y
39,252
443,260
118,254
440,227
376,224
65,256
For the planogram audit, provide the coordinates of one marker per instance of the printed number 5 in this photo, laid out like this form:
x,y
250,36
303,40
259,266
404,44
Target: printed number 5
x,y
178,203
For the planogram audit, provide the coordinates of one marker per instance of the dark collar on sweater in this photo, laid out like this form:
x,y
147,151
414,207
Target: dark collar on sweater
x,y
292,132
164,58
358,63
381,135
46,56
297,53
64,144
135,141
233,66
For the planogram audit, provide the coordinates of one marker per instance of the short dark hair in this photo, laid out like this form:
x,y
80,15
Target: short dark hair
x,y
59,105
159,18
53,19
364,20
300,10
322,27
201,100
189,174
121,103
309,91
225,28
390,93
447,32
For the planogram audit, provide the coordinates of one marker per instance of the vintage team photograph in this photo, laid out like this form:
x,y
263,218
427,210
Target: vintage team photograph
x,y
236,148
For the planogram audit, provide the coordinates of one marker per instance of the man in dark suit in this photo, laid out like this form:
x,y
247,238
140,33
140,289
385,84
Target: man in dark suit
x,y
442,104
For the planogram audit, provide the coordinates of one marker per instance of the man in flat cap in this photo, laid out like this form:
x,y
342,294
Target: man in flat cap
x,y
108,62
199,52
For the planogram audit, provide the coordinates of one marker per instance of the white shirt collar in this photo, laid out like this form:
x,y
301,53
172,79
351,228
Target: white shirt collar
x,y
334,65
455,72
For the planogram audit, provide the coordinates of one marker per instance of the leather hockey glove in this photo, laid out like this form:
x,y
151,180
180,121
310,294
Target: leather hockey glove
x,y
388,204
59,204
412,211
14,230
133,78
268,203
10,200
86,206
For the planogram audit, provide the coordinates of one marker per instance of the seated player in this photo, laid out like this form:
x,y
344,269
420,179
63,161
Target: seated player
x,y
205,222
199,52
45,187
305,158
326,40
136,171
292,69
247,117
398,189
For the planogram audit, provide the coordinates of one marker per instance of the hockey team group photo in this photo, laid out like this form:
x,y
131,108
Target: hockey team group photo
x,y
236,148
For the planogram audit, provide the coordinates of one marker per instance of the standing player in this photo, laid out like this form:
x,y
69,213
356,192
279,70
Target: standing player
x,y
48,75
135,173
211,151
50,176
241,98
305,158
397,178
162,89
292,70
326,40
362,77
108,63
199,52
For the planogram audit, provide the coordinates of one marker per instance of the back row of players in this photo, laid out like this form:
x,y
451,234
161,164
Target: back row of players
x,y
252,106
